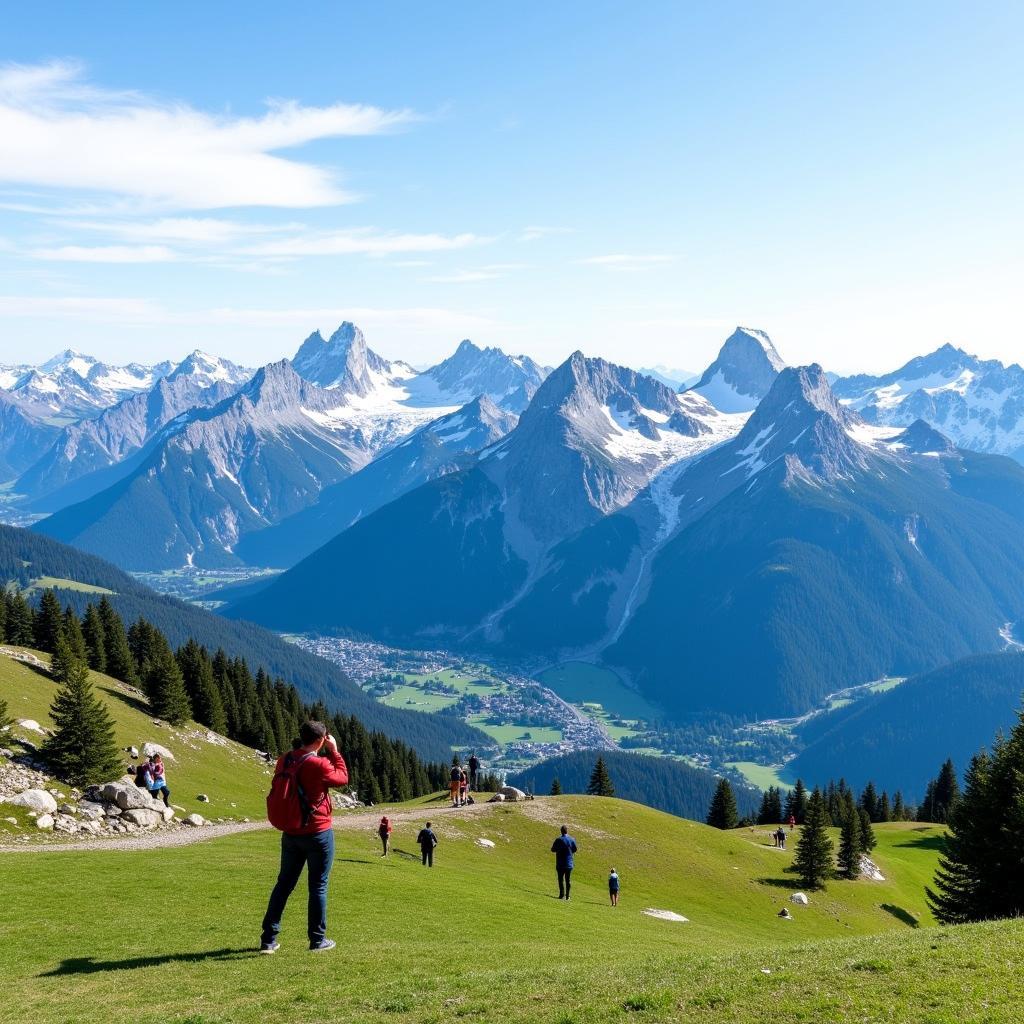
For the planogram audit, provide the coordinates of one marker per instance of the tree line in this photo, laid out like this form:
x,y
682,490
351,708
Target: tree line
x,y
217,691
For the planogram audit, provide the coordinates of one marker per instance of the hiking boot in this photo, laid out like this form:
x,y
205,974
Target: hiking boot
x,y
322,946
270,947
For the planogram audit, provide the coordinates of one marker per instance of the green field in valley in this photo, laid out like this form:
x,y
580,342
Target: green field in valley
x,y
481,937
55,583
579,683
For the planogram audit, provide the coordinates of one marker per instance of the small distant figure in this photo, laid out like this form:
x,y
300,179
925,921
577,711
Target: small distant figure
x,y
454,783
427,841
613,888
564,848
463,787
158,785
781,834
384,831
792,822
474,773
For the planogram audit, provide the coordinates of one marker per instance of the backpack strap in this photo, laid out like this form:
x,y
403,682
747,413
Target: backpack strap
x,y
289,761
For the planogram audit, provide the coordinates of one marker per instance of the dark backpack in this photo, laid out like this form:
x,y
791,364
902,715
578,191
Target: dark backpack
x,y
140,775
456,775
288,810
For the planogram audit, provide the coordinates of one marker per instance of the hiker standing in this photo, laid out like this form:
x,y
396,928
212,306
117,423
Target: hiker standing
x,y
782,837
613,888
792,822
158,783
564,848
299,804
384,831
427,841
474,773
463,787
454,782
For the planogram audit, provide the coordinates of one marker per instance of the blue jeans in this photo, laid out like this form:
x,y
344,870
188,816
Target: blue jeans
x,y
316,852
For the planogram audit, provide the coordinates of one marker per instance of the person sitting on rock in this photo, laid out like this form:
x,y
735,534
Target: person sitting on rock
x,y
159,781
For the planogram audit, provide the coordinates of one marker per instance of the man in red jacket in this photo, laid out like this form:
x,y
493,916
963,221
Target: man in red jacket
x,y
313,844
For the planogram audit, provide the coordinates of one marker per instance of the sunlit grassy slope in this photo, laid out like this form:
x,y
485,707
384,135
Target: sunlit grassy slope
x,y
226,772
168,935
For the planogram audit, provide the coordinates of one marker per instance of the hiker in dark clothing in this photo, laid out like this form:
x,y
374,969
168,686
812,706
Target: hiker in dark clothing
x,y
564,847
427,841
474,773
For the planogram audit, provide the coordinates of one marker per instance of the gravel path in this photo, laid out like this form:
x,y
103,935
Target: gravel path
x,y
352,821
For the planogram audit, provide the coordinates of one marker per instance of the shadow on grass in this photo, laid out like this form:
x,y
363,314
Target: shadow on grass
x,y
130,699
901,915
88,965
925,843
780,883
406,854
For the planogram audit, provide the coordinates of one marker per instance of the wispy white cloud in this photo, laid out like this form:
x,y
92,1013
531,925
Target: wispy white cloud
x,y
360,241
196,230
534,232
489,272
107,254
61,132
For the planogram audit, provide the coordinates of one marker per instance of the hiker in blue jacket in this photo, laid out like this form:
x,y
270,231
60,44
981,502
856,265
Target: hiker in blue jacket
x,y
563,848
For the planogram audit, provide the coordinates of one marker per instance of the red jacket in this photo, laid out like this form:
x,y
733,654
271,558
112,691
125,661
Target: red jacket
x,y
317,775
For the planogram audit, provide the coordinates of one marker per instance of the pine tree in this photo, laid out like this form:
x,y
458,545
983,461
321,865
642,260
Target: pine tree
x,y
207,706
771,807
49,623
799,804
850,847
20,621
869,801
815,856
947,792
556,787
722,812
867,833
600,781
165,687
120,664
82,748
95,639
3,617
73,635
884,808
899,809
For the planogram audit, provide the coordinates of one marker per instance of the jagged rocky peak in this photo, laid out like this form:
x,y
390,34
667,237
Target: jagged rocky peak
x,y
342,361
743,372
510,381
921,438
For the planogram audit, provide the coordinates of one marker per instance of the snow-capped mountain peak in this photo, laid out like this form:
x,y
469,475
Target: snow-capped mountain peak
x,y
743,372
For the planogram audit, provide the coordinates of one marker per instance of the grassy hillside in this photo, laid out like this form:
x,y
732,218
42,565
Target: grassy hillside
x,y
226,772
481,938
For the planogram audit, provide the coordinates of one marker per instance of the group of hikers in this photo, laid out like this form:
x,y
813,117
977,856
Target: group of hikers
x,y
779,835
463,781
151,775
299,805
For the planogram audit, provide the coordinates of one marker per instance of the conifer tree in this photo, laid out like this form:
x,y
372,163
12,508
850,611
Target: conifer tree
x,y
197,673
73,634
771,807
867,833
600,781
95,639
947,792
165,687
120,663
82,748
556,787
722,813
899,809
20,621
815,856
850,847
49,622
884,807
869,801
798,808
3,617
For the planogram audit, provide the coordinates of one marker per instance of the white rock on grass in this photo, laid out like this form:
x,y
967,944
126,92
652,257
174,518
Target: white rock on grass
x,y
511,793
799,897
37,800
195,820
143,817
31,725
487,844
45,822
666,915
150,748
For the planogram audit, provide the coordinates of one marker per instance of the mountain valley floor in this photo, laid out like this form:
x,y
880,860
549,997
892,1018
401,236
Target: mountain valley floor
x,y
169,935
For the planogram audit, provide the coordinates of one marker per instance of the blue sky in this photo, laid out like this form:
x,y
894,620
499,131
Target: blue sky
x,y
629,179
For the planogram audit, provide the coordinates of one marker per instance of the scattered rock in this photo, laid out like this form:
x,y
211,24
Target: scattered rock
x,y
126,795
869,869
12,821
63,823
37,800
143,817
666,915
486,843
195,820
799,897
90,811
68,809
133,752
511,793
498,798
150,748
785,914
45,822
203,798
31,725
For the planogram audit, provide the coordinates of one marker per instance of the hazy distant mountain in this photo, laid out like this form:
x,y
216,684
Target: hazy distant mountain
x,y
443,446
669,376
69,471
743,373
978,403
72,386
23,437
